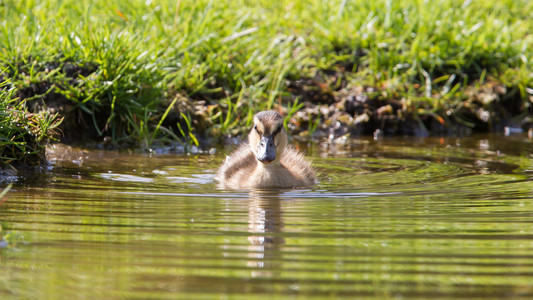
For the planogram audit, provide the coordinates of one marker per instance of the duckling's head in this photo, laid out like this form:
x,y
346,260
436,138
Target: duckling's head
x,y
267,138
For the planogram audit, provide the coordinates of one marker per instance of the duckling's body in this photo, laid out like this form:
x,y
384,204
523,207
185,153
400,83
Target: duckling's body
x,y
266,161
243,170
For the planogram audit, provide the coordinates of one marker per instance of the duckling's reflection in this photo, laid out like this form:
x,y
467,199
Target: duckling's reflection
x,y
265,224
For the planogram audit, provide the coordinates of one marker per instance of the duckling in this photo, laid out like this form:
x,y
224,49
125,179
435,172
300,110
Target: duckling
x,y
266,161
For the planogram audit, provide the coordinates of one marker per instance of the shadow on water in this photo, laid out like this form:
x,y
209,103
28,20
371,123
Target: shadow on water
x,y
412,218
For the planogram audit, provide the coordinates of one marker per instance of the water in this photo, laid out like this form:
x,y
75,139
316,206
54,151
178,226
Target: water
x,y
397,218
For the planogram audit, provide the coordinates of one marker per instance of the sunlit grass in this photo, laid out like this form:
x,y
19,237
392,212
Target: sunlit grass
x,y
120,62
23,135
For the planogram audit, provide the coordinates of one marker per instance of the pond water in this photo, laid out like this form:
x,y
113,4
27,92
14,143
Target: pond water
x,y
393,218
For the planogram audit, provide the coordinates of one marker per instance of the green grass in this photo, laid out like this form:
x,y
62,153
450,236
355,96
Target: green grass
x,y
116,67
23,135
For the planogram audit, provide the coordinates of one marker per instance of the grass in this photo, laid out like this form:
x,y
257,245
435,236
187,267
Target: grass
x,y
116,68
23,135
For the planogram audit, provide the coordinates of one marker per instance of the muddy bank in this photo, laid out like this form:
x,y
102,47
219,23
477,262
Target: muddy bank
x,y
329,105
370,110
327,111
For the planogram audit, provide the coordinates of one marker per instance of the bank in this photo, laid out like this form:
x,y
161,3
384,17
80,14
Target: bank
x,y
142,74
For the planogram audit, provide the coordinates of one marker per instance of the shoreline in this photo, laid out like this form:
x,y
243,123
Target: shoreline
x,y
138,74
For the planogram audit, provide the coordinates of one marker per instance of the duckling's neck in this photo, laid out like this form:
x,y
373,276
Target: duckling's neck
x,y
269,167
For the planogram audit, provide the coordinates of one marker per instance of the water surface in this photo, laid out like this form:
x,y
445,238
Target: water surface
x,y
394,218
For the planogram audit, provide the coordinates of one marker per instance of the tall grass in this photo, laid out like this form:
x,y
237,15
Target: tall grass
x,y
119,62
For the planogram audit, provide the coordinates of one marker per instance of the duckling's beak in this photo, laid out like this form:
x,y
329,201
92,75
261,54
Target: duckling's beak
x,y
266,150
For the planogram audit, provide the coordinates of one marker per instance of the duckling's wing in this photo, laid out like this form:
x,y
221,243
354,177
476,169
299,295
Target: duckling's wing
x,y
296,163
241,161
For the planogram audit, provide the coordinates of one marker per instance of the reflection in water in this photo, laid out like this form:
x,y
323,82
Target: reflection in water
x,y
265,223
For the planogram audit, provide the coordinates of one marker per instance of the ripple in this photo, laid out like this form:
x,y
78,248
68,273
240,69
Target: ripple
x,y
195,178
125,177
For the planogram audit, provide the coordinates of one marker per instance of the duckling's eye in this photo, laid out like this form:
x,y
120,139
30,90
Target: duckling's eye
x,y
257,130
